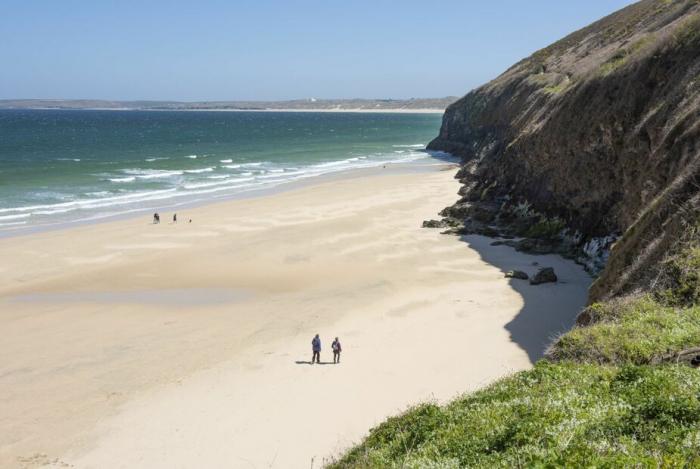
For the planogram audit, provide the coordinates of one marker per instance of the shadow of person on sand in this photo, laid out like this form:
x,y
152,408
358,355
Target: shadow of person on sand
x,y
302,362
548,309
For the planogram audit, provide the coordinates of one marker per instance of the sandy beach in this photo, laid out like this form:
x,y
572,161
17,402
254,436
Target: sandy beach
x,y
128,344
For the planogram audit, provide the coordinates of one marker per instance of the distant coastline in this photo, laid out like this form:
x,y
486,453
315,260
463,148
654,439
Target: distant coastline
x,y
416,105
126,109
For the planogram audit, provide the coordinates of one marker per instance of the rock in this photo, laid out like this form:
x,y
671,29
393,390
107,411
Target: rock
x,y
484,212
544,275
452,222
538,246
458,210
444,223
519,274
433,224
489,231
498,243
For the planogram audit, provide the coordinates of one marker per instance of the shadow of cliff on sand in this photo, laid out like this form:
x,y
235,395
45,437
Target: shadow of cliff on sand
x,y
549,309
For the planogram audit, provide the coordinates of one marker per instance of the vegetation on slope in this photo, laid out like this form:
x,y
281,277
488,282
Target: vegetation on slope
x,y
562,415
638,331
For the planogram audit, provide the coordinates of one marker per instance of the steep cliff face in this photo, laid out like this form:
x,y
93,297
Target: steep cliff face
x,y
601,130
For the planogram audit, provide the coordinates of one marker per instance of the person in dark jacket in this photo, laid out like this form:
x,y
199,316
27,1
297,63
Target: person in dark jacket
x,y
336,350
316,349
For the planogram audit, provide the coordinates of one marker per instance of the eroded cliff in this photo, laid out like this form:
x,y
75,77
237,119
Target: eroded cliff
x,y
587,138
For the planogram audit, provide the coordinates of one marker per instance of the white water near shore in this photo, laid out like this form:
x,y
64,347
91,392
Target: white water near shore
x,y
83,165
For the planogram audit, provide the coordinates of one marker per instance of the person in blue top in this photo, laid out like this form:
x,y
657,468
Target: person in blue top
x,y
316,348
337,348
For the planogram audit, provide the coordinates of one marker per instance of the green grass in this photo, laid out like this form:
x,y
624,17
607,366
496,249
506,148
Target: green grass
x,y
622,56
688,31
558,88
631,332
556,415
546,228
682,275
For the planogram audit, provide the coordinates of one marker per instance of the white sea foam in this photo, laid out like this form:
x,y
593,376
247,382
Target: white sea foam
x,y
197,171
152,173
417,145
219,176
126,179
333,163
96,202
230,183
192,157
157,159
14,217
53,212
226,161
232,166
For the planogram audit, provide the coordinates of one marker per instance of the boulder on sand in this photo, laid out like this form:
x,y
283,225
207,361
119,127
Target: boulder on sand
x,y
544,275
433,224
519,274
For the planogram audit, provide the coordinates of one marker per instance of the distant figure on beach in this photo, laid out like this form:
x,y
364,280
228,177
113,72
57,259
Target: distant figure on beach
x,y
190,220
174,217
156,218
336,350
316,348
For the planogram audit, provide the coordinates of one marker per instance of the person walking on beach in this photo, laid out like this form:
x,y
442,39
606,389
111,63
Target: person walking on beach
x,y
174,217
156,218
316,349
336,350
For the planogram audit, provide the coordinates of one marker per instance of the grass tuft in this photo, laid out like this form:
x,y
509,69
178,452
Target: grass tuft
x,y
635,331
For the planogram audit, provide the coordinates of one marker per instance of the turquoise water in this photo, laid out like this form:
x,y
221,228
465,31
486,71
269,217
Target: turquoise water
x,y
68,166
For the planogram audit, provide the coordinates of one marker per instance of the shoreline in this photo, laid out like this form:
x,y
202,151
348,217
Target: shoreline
x,y
321,110
395,167
137,345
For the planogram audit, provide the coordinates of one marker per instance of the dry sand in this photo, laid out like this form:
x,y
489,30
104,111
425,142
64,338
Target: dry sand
x,y
127,344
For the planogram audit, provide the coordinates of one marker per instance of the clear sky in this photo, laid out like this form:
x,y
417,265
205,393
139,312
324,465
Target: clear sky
x,y
266,50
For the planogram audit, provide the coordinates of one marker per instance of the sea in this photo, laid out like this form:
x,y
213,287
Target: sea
x,y
59,167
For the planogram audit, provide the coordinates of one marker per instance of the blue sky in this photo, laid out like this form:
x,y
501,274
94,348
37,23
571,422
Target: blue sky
x,y
228,50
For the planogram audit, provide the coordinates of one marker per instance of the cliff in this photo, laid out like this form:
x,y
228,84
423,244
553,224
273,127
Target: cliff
x,y
589,148
593,131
